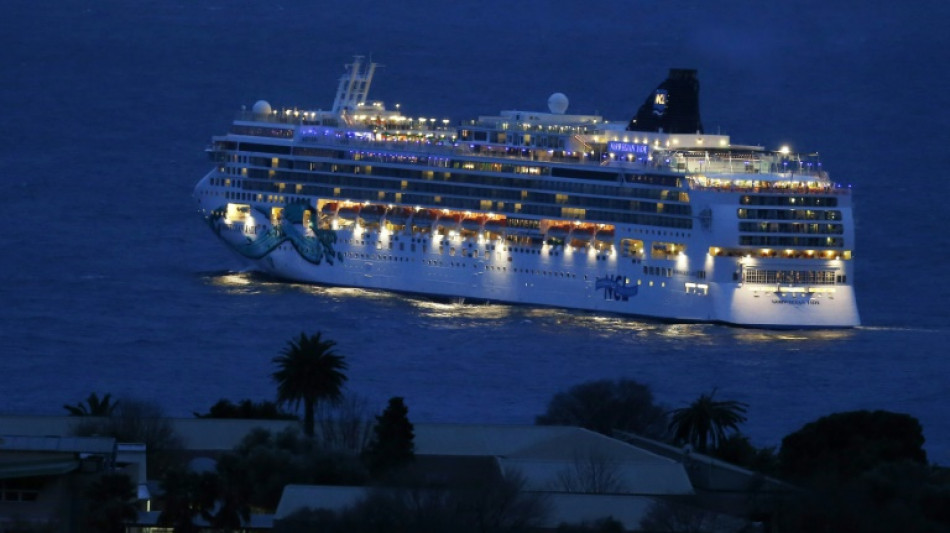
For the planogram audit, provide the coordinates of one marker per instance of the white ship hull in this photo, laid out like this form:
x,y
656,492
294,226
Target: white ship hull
x,y
556,276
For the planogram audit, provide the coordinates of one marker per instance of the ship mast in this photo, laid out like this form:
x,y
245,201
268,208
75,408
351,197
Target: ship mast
x,y
354,85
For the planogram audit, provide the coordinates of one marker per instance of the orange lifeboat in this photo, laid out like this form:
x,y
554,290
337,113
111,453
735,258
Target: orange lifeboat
x,y
424,218
605,235
330,208
449,221
372,214
583,235
559,231
474,223
497,225
398,216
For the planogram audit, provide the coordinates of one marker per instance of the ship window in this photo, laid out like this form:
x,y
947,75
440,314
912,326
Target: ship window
x,y
573,213
238,212
631,247
666,250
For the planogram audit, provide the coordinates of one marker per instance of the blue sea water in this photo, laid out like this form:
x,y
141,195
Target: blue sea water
x,y
110,282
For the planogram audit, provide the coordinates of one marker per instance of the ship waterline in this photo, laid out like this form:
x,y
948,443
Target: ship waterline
x,y
651,218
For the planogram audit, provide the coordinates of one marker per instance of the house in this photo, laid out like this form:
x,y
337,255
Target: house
x,y
41,478
581,476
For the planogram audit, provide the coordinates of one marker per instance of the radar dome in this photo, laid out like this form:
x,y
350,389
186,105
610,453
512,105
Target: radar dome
x,y
557,103
261,107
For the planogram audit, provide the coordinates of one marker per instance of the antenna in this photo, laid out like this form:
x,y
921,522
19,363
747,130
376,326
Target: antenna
x,y
354,85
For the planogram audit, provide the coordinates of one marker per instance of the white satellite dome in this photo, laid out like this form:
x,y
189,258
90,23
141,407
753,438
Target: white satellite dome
x,y
261,107
557,103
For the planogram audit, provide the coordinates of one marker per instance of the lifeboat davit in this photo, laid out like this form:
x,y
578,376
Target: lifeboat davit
x,y
424,218
398,216
474,223
372,214
349,212
449,221
496,225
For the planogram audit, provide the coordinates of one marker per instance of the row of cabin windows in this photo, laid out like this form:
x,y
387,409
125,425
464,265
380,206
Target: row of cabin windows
x,y
483,193
787,242
261,131
473,204
776,227
670,272
789,214
805,277
468,204
475,164
793,201
308,171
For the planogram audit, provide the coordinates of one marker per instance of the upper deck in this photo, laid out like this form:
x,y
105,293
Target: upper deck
x,y
709,161
530,142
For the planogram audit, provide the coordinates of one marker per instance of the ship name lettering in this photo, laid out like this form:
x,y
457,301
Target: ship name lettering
x,y
796,302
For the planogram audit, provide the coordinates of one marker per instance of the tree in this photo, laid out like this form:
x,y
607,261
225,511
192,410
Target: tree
x,y
674,517
138,421
894,496
737,449
393,444
259,468
346,425
230,489
602,525
606,406
844,445
865,471
111,500
308,370
503,505
94,406
704,423
591,473
246,409
187,495
497,504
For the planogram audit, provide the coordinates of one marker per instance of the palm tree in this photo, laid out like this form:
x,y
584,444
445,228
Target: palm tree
x,y
308,370
93,406
705,422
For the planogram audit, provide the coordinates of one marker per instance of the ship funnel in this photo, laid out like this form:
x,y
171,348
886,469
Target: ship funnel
x,y
673,107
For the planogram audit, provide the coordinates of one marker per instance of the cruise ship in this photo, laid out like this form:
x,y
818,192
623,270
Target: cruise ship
x,y
648,217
